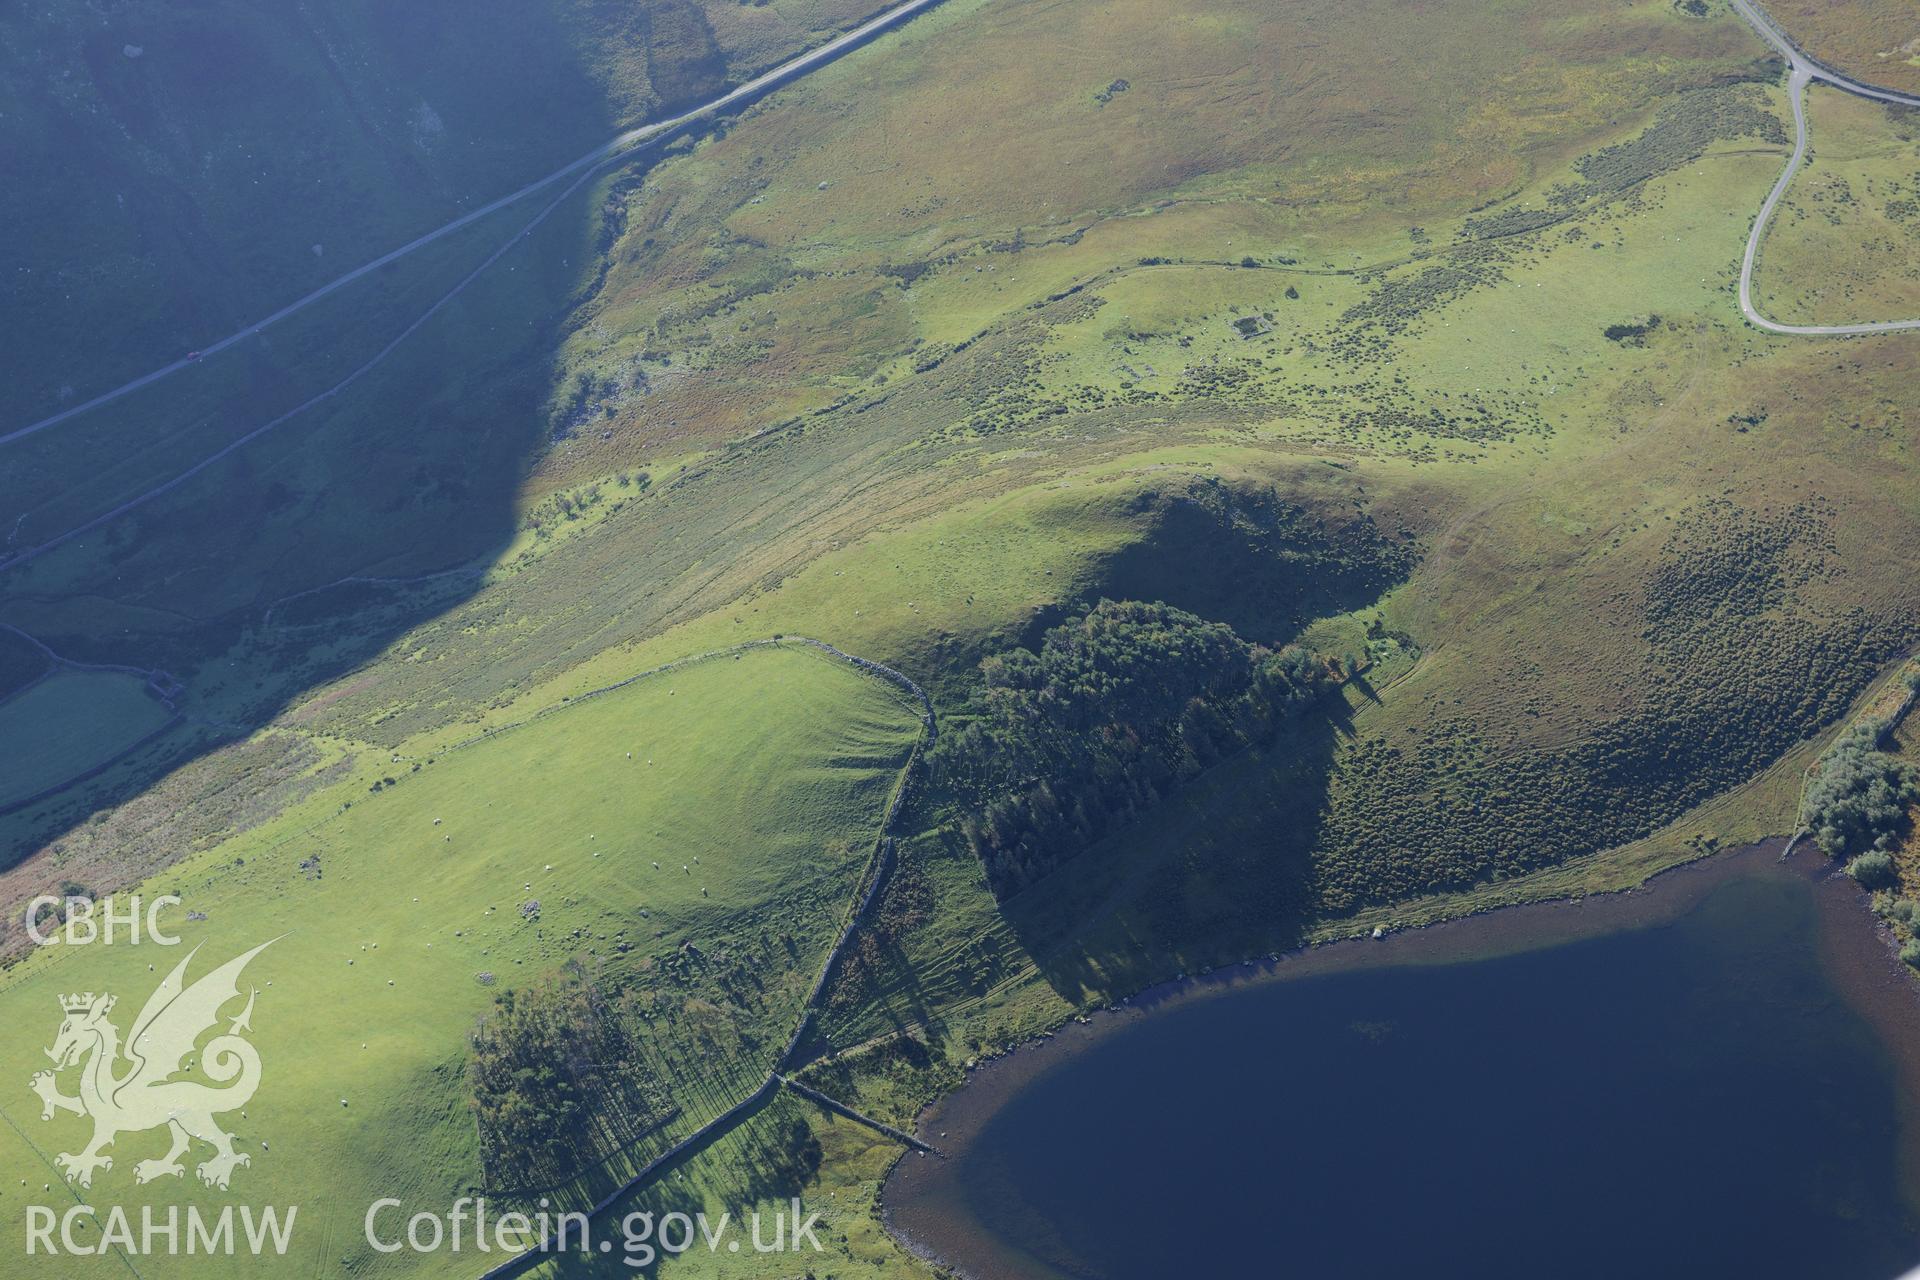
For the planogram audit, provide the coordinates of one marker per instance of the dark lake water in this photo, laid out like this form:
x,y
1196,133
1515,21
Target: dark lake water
x,y
1711,1085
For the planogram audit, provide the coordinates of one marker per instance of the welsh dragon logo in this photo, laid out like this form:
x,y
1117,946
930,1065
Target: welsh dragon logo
x,y
128,1088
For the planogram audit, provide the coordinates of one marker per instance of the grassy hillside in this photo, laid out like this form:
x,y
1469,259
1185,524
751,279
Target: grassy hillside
x,y
433,501
152,145
1443,361
1847,246
158,143
1420,348
755,781
1877,40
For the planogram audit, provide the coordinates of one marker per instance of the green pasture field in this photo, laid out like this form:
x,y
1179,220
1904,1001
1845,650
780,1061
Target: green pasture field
x,y
69,723
399,919
1844,245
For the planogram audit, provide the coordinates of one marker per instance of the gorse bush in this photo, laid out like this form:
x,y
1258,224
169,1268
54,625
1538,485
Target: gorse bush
x,y
1117,706
1873,870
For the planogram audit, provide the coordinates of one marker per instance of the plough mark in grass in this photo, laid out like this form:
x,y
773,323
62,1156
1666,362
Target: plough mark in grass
x,y
355,579
874,878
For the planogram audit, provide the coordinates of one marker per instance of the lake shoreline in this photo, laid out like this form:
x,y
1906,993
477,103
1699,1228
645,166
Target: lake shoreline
x,y
1860,964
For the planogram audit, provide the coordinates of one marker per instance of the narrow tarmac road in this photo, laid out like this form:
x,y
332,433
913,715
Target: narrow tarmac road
x,y
1803,71
624,145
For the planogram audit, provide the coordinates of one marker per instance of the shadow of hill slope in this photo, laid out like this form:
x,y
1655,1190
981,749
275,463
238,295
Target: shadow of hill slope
x,y
1265,563
284,564
176,164
1220,871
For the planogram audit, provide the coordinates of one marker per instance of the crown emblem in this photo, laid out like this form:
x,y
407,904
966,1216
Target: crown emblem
x,y
143,1093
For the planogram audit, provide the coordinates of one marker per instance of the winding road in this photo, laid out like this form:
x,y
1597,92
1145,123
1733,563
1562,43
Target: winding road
x,y
581,171
1803,70
618,148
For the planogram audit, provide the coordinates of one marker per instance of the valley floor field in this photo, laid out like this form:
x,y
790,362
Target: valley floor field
x,y
69,724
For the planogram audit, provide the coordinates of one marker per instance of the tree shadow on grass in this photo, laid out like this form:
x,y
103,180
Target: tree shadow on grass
x,y
1220,872
768,1158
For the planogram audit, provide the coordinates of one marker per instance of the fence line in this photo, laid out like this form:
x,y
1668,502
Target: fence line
x,y
876,876
840,1108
